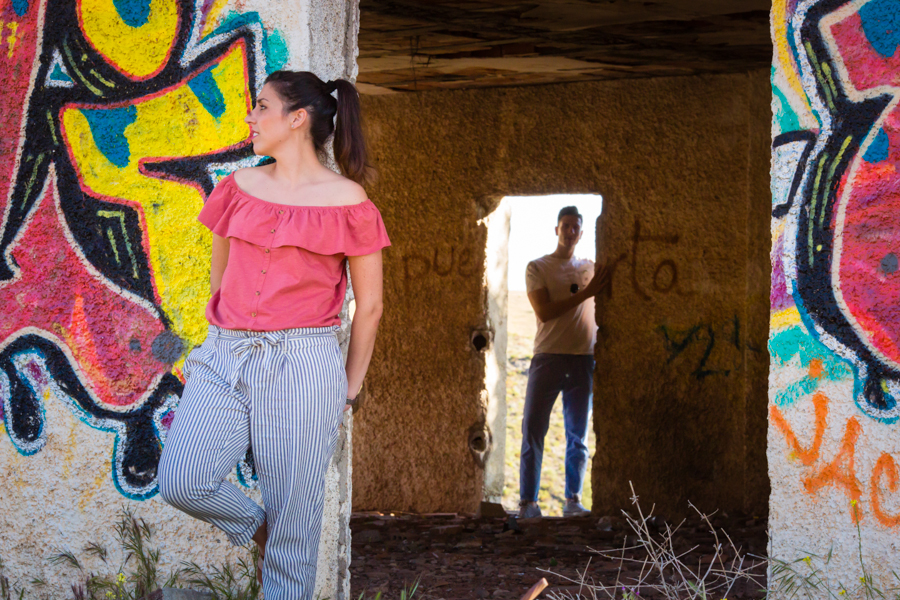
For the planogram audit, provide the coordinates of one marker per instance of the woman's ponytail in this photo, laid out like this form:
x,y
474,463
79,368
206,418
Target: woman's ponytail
x,y
305,90
349,143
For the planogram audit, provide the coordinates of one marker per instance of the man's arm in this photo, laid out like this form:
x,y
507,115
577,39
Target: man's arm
x,y
547,310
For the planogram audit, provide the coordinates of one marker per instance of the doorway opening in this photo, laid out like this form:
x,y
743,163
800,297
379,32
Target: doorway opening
x,y
520,230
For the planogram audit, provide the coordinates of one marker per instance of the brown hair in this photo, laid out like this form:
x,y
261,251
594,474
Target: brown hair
x,y
569,211
302,89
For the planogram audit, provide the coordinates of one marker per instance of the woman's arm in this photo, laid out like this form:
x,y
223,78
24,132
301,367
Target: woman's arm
x,y
219,259
366,277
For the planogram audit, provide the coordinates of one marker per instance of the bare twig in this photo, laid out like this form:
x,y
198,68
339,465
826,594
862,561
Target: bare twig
x,y
662,568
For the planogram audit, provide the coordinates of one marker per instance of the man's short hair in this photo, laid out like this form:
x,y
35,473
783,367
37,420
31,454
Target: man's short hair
x,y
569,211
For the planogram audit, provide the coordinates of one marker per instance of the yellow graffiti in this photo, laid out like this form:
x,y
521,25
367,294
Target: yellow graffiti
x,y
136,52
11,38
171,125
88,492
783,51
785,318
212,16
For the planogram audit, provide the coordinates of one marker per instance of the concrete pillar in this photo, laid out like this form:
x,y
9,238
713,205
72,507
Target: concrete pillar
x,y
834,383
495,283
117,124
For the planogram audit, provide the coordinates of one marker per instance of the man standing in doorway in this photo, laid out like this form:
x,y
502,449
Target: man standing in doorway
x,y
561,289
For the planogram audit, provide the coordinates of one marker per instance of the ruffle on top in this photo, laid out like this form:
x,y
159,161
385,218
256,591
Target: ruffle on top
x,y
353,230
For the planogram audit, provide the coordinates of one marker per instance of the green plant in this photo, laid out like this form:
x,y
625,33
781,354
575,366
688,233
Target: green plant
x,y
139,573
7,591
802,578
406,593
806,578
228,582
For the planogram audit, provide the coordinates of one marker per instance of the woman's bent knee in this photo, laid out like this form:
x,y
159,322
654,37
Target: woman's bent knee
x,y
166,479
181,485
176,486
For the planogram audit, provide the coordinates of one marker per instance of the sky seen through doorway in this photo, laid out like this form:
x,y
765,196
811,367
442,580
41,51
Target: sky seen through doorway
x,y
531,229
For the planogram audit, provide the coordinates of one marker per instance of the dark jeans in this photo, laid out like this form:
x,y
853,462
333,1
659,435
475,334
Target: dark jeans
x,y
548,375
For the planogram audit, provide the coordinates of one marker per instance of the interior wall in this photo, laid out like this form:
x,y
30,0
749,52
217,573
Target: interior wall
x,y
681,353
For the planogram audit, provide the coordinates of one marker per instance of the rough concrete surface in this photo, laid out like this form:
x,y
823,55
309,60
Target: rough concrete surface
x,y
495,281
679,400
409,45
118,122
835,373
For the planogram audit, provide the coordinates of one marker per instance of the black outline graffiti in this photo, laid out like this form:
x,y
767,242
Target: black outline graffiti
x,y
675,347
852,121
96,83
789,138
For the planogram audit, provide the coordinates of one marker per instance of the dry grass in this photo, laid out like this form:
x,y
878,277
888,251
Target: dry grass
x,y
649,565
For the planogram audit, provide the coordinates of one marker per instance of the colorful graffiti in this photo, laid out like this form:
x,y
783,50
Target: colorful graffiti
x,y
835,254
835,296
120,115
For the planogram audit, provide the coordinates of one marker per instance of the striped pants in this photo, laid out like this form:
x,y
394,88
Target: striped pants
x,y
283,394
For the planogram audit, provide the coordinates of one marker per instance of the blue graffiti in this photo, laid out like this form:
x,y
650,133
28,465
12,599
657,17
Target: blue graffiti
x,y
795,342
134,12
208,93
108,128
20,7
881,24
878,149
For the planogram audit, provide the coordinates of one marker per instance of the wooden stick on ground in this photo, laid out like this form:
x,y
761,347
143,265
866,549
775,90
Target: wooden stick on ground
x,y
536,589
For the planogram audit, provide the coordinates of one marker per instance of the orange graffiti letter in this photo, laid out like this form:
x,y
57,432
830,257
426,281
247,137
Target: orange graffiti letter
x,y
884,466
807,457
841,471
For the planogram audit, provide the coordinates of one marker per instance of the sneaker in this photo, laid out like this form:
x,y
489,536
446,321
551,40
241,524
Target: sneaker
x,y
573,508
529,510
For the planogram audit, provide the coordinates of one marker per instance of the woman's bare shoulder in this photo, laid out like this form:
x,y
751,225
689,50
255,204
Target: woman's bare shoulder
x,y
248,176
345,191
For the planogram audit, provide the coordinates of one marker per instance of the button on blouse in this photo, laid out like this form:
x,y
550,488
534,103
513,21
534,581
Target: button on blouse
x,y
286,264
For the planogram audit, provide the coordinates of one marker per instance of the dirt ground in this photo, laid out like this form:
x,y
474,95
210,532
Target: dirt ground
x,y
522,326
457,557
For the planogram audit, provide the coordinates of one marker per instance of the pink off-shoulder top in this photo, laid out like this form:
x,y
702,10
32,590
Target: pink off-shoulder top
x,y
285,263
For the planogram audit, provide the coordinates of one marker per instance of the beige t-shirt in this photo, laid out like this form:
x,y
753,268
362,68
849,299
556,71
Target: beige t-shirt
x,y
575,331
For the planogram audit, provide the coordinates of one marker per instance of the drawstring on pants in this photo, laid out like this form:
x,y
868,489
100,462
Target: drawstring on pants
x,y
269,341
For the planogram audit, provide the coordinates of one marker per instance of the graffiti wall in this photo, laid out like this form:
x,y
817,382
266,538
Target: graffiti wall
x,y
834,396
119,117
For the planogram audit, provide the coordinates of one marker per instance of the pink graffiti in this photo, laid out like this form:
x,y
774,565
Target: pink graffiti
x,y
14,91
869,199
56,293
109,340
37,373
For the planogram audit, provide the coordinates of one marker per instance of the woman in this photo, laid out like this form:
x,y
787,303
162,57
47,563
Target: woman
x,y
270,373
